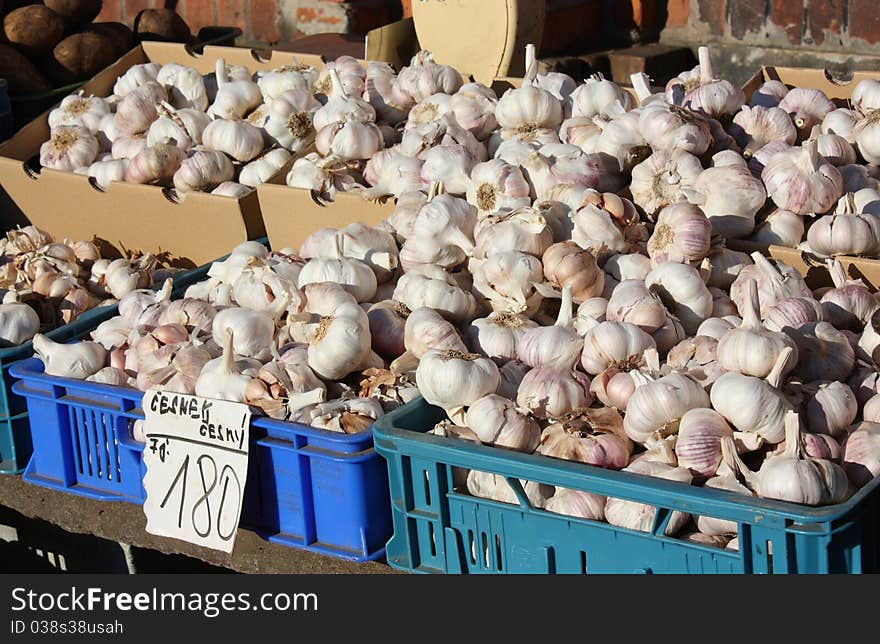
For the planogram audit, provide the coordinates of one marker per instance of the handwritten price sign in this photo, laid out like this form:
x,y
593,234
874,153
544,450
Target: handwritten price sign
x,y
196,456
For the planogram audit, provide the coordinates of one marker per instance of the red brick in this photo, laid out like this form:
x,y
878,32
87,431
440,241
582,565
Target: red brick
x,y
231,13
264,18
407,8
746,16
864,21
677,13
644,13
824,15
197,14
712,13
573,29
111,11
788,16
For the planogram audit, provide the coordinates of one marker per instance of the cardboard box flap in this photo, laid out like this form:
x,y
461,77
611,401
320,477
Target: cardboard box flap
x,y
490,36
821,79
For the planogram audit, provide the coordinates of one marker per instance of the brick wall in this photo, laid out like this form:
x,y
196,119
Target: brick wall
x,y
845,26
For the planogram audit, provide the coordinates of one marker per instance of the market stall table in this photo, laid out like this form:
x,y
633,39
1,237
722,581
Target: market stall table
x,y
125,522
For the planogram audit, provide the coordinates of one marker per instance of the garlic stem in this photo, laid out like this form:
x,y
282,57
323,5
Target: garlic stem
x,y
811,147
731,458
838,274
565,308
751,316
774,378
220,72
765,266
227,366
531,66
706,75
338,90
642,85
794,439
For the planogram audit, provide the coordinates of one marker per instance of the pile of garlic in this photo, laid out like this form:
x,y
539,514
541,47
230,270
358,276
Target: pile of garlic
x,y
171,126
45,284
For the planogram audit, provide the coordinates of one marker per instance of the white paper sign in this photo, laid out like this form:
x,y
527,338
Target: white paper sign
x,y
196,455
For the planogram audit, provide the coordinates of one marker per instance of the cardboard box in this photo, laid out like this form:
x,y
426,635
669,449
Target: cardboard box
x,y
194,228
821,79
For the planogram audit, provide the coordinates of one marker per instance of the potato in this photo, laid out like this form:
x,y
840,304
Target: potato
x,y
80,56
75,12
161,24
122,36
21,74
33,30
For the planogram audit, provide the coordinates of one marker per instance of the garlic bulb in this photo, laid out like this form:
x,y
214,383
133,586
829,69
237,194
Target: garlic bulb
x,y
507,280
833,148
424,77
79,360
669,127
341,344
824,353
434,288
140,107
850,304
106,172
128,147
18,323
186,86
69,147
156,164
375,248
662,178
264,168
844,234
289,119
253,331
426,329
231,189
807,108
454,380
861,456
474,108
717,327
776,281
769,94
276,81
182,128
599,97
575,503
222,379
341,105
801,181
606,224
134,77
497,185
655,408
450,164
203,171
349,140
761,156
235,97
792,476
638,516
239,139
567,264
711,96
753,406
698,447
715,527
498,335
682,234
632,302
591,436
391,173
83,111
730,217
792,312
831,408
751,349
614,345
381,90
496,421
781,227
683,292
523,229
529,106
549,393
866,96
355,276
496,487
558,346
841,122
755,127
387,324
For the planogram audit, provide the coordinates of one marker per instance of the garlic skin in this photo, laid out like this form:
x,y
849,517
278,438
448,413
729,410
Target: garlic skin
x,y
698,447
78,361
662,178
349,140
614,344
18,323
185,85
598,97
831,409
239,139
155,165
861,456
434,288
264,168
656,408
203,171
807,107
637,516
83,111
454,380
69,147
134,77
496,421
550,393
751,349
801,181
497,185
755,127
683,292
754,406
781,227
682,234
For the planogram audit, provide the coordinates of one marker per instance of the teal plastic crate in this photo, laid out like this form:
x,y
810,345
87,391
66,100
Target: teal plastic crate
x,y
15,434
438,529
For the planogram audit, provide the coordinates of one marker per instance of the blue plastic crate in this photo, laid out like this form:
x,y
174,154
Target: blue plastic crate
x,y
438,529
307,487
15,435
